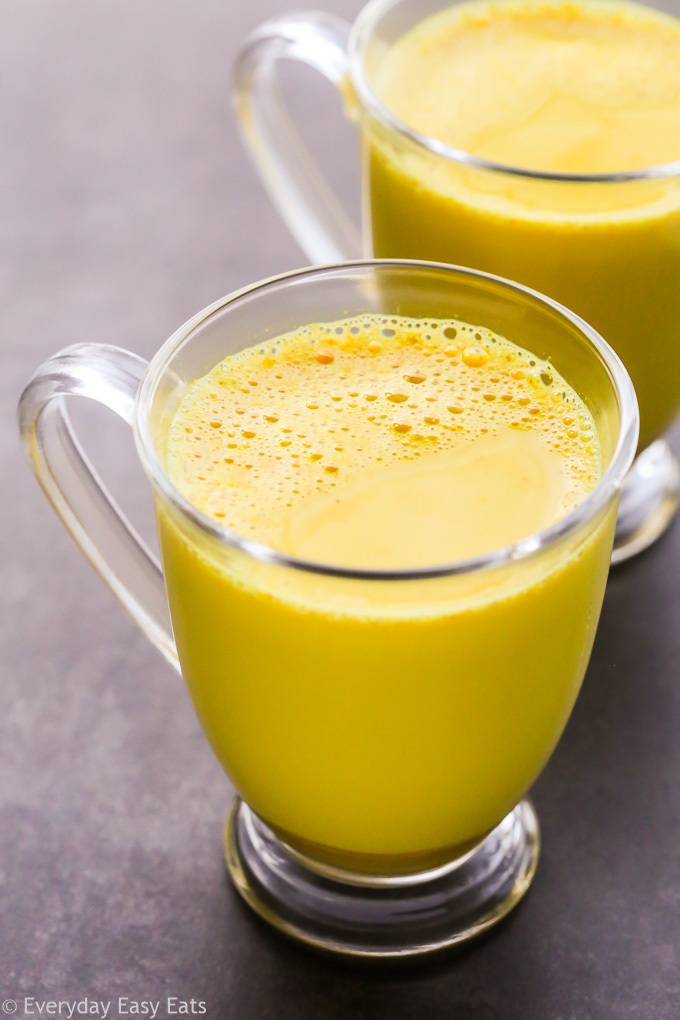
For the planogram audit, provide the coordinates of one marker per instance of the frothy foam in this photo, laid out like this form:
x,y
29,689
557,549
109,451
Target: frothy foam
x,y
384,441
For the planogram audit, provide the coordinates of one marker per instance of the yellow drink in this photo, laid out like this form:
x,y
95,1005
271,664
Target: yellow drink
x,y
383,724
569,86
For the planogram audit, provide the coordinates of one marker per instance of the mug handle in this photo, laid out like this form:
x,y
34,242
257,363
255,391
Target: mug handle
x,y
111,376
306,203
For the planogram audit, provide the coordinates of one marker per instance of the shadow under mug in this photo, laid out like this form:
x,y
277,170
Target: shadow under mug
x,y
604,245
380,727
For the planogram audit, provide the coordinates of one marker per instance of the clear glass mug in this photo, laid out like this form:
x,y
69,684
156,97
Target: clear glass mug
x,y
425,200
380,727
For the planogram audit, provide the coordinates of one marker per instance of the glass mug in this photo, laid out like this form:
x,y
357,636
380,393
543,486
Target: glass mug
x,y
423,199
380,727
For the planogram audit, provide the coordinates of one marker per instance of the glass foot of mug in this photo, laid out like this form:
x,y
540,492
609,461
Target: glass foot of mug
x,y
650,495
382,917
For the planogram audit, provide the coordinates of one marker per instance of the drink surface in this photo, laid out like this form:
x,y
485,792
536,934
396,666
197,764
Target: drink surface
x,y
567,86
382,442
383,725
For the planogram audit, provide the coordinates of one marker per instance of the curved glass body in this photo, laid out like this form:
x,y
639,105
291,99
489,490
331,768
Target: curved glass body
x,y
387,721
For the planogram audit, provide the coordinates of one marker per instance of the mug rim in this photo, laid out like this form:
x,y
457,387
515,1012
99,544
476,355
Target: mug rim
x,y
524,549
360,35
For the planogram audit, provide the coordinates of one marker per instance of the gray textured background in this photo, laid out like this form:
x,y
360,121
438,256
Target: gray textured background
x,y
127,205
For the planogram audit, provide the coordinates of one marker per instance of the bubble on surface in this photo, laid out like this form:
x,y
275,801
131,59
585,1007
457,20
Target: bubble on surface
x,y
475,357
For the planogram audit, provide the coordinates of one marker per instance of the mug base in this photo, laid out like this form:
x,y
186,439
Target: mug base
x,y
382,917
650,496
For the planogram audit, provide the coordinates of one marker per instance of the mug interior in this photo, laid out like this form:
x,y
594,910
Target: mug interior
x,y
379,26
265,310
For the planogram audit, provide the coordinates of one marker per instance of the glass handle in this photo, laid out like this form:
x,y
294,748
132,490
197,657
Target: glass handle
x,y
306,203
103,533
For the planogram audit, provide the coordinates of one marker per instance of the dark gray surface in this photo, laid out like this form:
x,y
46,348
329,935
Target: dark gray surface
x,y
128,204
